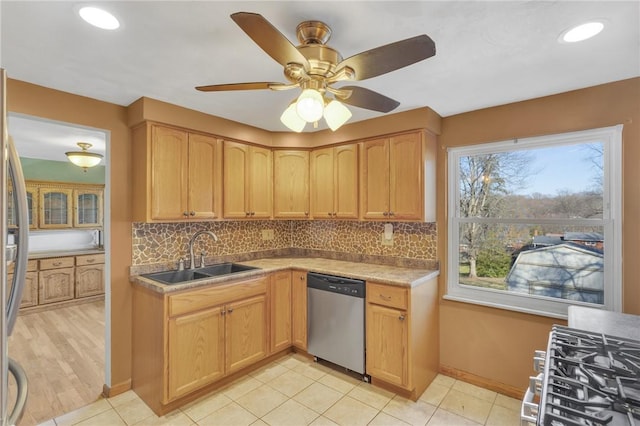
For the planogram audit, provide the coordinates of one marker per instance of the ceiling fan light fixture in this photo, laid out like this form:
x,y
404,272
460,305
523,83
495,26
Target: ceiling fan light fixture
x,y
336,114
84,158
310,105
99,18
581,32
291,119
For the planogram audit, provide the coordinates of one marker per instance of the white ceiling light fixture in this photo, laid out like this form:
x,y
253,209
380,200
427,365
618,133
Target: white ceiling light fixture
x,y
84,158
310,107
99,18
581,32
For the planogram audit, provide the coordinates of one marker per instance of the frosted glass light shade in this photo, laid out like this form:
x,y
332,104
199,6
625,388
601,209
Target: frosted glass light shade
x,y
336,114
291,119
310,105
84,158
582,32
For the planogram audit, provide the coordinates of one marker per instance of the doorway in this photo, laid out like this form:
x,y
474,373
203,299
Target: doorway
x,y
62,339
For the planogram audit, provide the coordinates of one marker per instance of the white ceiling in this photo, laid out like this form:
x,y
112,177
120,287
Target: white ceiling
x,y
488,53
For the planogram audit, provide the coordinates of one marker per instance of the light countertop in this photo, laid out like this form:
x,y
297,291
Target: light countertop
x,y
605,322
392,275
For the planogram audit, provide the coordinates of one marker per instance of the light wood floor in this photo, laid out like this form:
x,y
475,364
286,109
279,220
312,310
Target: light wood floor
x,y
62,353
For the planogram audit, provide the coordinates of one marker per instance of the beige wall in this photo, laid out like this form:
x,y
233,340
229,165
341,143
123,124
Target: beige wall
x,y
489,343
51,104
497,344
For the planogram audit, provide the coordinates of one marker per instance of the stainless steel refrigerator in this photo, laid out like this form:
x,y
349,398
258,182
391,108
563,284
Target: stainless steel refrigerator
x,y
15,237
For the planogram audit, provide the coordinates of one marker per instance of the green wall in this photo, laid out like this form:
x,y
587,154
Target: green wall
x,y
60,171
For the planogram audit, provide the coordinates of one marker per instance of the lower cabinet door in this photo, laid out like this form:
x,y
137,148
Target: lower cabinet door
x,y
89,280
30,291
280,311
387,345
246,332
299,309
55,285
196,351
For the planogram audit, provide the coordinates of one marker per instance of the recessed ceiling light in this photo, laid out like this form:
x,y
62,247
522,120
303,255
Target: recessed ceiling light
x,y
99,18
581,32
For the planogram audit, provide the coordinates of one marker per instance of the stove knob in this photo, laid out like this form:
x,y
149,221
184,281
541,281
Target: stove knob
x,y
538,362
535,384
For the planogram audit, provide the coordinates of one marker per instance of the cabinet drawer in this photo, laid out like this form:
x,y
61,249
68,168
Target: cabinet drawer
x,y
89,259
32,265
199,299
56,262
387,295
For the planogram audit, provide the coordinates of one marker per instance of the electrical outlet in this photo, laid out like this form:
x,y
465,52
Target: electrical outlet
x,y
267,234
386,242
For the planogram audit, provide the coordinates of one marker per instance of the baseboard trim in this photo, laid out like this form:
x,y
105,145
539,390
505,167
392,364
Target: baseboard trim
x,y
116,389
483,382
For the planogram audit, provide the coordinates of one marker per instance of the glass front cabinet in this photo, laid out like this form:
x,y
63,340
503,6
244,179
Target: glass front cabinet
x,y
64,205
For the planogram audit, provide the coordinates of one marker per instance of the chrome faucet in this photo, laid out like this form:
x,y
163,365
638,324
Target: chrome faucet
x,y
192,240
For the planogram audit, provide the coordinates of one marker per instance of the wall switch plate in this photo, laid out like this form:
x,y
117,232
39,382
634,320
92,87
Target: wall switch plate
x,y
385,241
267,234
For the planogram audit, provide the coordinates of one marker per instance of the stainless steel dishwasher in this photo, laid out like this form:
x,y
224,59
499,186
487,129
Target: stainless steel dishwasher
x,y
335,320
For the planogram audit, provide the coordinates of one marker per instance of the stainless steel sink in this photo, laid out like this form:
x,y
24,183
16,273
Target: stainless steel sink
x,y
177,277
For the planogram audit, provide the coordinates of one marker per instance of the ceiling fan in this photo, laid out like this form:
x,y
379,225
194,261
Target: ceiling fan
x,y
314,67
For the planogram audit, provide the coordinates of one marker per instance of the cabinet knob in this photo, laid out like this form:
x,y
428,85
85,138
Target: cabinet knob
x,y
385,214
401,317
253,213
301,278
192,213
57,263
230,310
383,297
391,214
306,213
329,214
185,213
247,213
223,312
90,260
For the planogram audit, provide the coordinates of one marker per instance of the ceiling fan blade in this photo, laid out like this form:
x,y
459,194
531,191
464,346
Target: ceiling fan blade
x,y
269,38
390,57
368,99
241,86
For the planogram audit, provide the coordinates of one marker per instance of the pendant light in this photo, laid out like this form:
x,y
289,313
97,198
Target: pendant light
x,y
84,158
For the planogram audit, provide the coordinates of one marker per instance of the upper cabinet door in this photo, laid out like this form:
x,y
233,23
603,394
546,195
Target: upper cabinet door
x,y
55,208
406,191
291,184
322,183
87,208
374,184
204,173
32,206
260,183
169,175
346,181
235,180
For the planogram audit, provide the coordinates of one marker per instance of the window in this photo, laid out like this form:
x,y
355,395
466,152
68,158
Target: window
x,y
535,224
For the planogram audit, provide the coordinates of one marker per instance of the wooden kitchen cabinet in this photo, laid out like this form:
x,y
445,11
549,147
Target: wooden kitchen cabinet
x,y
246,325
394,173
56,280
56,208
280,305
187,340
177,174
30,290
334,182
402,338
299,309
89,275
196,350
291,184
32,205
87,208
247,181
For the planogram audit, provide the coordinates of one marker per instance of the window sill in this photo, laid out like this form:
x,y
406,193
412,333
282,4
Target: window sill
x,y
505,307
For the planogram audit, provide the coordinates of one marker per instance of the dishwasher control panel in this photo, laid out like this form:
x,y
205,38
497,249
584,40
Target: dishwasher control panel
x,y
335,284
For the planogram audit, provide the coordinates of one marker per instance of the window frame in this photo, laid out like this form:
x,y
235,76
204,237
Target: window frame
x,y
611,222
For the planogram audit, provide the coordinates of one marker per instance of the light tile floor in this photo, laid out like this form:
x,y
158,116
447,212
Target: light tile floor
x,y
296,391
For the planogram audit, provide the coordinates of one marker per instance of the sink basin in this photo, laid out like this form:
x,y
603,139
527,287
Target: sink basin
x,y
177,277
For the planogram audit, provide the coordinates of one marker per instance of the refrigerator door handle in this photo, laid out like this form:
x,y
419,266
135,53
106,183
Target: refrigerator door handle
x,y
22,391
20,272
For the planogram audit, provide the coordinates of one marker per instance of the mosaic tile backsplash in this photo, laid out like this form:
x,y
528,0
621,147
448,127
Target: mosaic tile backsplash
x,y
164,243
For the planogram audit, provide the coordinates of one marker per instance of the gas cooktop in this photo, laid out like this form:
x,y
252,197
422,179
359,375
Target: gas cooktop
x,y
590,379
